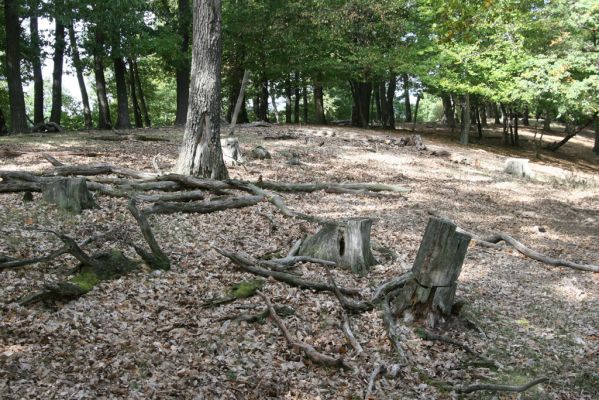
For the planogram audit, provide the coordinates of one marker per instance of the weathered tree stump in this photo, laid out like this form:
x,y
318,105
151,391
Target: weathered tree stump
x,y
69,194
518,167
231,150
260,153
347,244
431,291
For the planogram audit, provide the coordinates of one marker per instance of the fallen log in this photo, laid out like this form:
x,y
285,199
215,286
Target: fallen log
x,y
204,208
315,187
156,259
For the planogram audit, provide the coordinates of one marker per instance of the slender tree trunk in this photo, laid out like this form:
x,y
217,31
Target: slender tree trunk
x,y
448,110
58,59
274,101
120,70
516,136
465,133
504,117
391,87
13,67
240,102
134,102
319,103
406,93
305,102
547,122
479,125
3,129
596,147
380,94
418,97
87,113
237,74
483,114
296,98
288,114
496,114
182,70
525,120
38,80
264,96
104,120
201,153
361,94
142,97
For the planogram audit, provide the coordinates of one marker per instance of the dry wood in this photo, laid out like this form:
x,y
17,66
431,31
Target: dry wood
x,y
500,387
307,349
52,160
156,259
428,335
558,262
101,169
314,187
373,375
248,264
391,327
346,328
174,197
205,208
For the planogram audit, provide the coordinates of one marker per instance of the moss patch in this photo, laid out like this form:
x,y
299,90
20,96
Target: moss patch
x,y
245,289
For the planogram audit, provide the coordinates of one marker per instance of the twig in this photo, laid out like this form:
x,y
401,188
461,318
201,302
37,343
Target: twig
x,y
346,328
52,160
157,259
375,373
308,350
427,335
500,387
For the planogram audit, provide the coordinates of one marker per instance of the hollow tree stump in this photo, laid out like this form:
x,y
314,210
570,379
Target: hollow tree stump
x,y
431,291
69,194
231,150
347,244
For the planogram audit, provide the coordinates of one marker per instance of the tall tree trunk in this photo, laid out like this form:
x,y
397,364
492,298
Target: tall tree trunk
x,y
406,93
319,103
201,153
525,120
418,98
305,102
264,96
479,125
483,114
296,97
596,147
58,60
547,122
496,114
465,133
274,101
87,114
142,97
237,76
182,70
134,102
516,135
380,94
3,128
120,70
288,119
38,80
391,87
361,93
240,102
448,110
18,117
104,120
504,118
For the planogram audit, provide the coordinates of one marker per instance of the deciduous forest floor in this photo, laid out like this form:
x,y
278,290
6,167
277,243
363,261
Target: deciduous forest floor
x,y
146,335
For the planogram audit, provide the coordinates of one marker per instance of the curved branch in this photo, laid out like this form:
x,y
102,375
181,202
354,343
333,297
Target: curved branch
x,y
501,388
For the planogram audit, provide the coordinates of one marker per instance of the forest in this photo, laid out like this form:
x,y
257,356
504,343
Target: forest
x,y
317,199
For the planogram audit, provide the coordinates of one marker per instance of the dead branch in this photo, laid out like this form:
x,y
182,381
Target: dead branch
x,y
74,249
156,259
346,328
558,262
501,388
101,169
205,208
391,327
375,373
52,160
307,349
315,187
428,335
171,197
248,264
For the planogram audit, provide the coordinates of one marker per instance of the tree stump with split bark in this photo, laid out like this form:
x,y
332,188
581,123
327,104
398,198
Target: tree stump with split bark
x,y
346,243
69,194
431,291
231,151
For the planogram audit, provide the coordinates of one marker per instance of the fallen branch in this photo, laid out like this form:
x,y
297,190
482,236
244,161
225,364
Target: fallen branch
x,y
204,208
307,349
558,262
346,328
171,197
315,187
156,259
375,373
391,327
501,388
427,335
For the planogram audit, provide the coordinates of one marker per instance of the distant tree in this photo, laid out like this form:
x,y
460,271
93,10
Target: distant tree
x,y
13,66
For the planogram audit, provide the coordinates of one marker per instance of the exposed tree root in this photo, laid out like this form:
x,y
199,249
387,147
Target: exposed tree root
x,y
501,388
373,375
156,258
391,327
309,351
346,328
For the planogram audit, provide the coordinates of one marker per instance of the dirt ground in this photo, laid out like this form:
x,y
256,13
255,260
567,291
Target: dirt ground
x,y
147,335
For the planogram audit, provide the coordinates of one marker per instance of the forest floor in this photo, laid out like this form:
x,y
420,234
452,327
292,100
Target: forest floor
x,y
146,335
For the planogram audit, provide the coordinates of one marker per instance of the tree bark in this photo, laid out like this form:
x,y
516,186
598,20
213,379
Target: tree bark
x,y
406,93
288,119
596,147
120,72
448,110
547,122
104,120
182,73
274,101
319,102
525,120
238,74
134,102
465,132
142,97
201,153
240,102
38,80
391,87
13,67
296,95
87,114
305,103
380,100
361,94
58,59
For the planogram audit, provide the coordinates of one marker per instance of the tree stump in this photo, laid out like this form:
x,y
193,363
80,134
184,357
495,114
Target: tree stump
x,y
431,291
518,167
231,150
69,194
347,244
260,153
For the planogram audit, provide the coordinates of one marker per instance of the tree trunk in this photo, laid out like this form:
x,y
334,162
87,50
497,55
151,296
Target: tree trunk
x,y
201,153
319,103
406,93
134,102
240,102
361,94
182,70
288,119
418,98
296,95
465,132
142,97
87,114
516,135
547,122
391,87
305,101
264,101
238,74
58,60
274,101
504,117
482,110
525,120
38,80
448,110
381,103
122,118
13,67
596,147
431,291
479,125
104,120
3,128
69,194
347,244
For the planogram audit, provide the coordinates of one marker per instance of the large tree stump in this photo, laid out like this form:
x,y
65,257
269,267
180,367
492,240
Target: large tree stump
x,y
431,291
69,194
347,244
